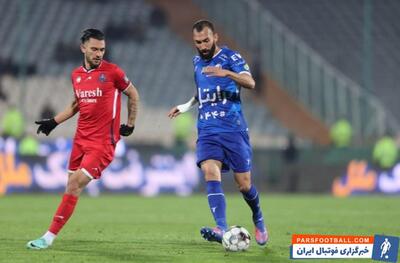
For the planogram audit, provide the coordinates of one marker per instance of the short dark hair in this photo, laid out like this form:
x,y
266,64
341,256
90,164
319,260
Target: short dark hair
x,y
201,24
91,33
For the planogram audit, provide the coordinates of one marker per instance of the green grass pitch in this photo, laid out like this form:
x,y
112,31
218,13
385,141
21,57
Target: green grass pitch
x,y
130,228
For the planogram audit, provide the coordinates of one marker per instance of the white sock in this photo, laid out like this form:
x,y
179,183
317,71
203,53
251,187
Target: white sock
x,y
49,237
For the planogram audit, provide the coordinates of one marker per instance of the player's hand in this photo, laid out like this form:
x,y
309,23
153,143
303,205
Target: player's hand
x,y
174,112
126,130
46,126
215,71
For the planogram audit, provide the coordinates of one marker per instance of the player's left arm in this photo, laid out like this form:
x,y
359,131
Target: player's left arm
x,y
244,79
133,103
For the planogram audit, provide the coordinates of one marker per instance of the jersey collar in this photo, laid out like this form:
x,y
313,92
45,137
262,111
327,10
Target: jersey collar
x,y
216,54
90,70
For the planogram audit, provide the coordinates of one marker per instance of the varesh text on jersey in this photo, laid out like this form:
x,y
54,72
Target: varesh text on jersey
x,y
98,92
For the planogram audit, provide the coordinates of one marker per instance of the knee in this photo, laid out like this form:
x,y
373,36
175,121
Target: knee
x,y
73,187
211,174
244,186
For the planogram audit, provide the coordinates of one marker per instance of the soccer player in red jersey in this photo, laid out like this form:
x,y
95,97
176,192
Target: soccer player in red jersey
x,y
97,86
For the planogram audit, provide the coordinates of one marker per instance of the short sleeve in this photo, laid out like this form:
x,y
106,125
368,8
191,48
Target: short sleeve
x,y
238,64
121,80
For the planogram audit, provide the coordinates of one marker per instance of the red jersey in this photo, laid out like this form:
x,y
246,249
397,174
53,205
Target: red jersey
x,y
98,92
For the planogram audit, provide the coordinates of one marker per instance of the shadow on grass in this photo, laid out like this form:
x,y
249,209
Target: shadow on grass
x,y
170,251
145,250
108,250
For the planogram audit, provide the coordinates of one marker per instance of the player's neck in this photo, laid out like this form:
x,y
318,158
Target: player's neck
x,y
217,50
88,67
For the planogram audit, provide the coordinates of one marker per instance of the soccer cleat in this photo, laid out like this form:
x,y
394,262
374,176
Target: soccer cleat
x,y
212,234
37,244
262,236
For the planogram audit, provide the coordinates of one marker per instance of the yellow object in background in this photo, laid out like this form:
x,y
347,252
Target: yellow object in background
x,y
385,152
183,126
341,133
28,146
13,123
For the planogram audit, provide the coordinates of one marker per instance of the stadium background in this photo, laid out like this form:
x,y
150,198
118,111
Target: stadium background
x,y
315,62
309,75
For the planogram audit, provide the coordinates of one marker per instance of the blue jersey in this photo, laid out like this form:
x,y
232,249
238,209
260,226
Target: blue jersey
x,y
220,107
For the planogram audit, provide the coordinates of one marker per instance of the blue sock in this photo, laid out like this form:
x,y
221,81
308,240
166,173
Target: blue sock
x,y
216,201
252,200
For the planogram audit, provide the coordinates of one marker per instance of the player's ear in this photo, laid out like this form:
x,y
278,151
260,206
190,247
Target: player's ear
x,y
83,48
215,37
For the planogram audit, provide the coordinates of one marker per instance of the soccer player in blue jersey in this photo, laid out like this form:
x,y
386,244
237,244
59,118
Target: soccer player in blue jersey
x,y
223,141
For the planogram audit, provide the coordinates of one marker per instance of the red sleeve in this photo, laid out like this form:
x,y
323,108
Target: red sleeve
x,y
72,84
121,81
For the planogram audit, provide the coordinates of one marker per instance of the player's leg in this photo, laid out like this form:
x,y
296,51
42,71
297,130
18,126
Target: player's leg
x,y
95,160
86,163
239,155
216,200
77,181
210,158
215,194
75,160
250,195
75,185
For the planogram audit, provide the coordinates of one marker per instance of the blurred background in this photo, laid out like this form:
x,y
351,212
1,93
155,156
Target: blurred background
x,y
324,117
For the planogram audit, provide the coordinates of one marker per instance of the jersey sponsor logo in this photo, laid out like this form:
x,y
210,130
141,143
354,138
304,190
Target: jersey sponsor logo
x,y
205,96
236,56
89,96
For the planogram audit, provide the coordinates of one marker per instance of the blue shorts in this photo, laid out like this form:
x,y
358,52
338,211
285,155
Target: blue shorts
x,y
232,149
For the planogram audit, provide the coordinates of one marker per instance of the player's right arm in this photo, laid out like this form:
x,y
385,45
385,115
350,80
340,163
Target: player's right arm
x,y
47,125
175,111
67,113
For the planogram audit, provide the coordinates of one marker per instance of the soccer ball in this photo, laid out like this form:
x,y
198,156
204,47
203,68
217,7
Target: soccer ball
x,y
236,238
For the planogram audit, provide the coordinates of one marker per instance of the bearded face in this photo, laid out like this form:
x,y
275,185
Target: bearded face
x,y
93,51
205,42
207,53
